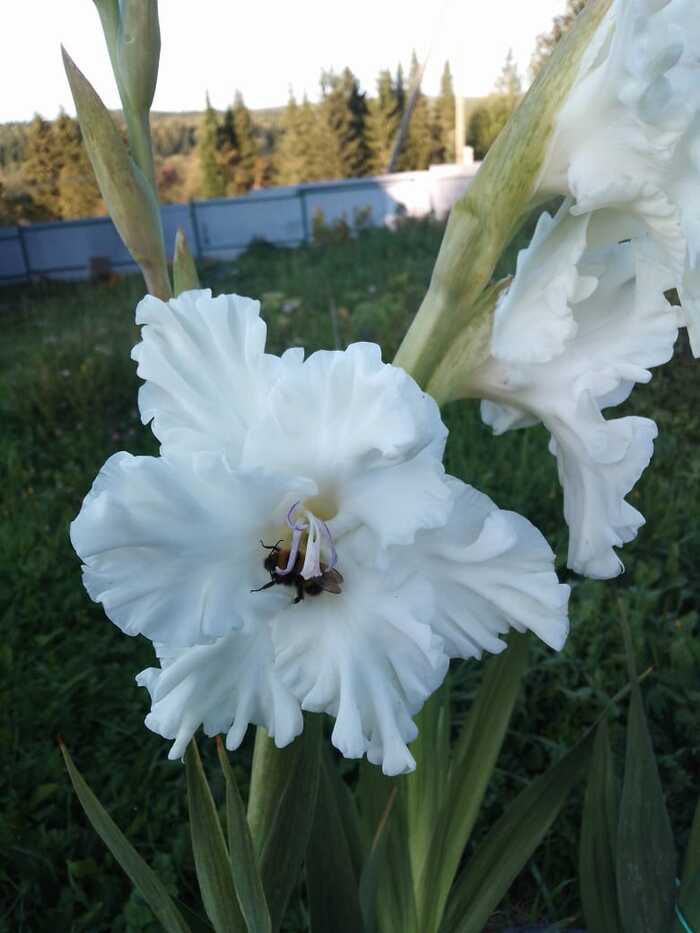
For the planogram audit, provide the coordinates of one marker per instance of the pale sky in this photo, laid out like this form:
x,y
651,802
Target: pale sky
x,y
263,47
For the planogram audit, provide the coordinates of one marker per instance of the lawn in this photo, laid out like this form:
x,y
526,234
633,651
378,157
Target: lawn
x,y
68,401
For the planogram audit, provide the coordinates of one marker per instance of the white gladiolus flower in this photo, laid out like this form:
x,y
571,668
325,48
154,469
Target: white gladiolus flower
x,y
627,141
572,335
297,545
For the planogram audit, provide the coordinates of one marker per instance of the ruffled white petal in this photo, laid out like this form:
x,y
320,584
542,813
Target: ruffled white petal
x,y
205,369
627,140
599,463
368,657
534,319
624,328
366,434
491,570
223,687
170,546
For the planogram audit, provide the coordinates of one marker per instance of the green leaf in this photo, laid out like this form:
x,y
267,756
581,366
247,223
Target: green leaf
x,y
331,883
144,879
474,759
246,878
598,840
210,856
184,270
646,858
281,810
426,787
689,898
387,882
511,842
376,858
347,810
689,904
691,866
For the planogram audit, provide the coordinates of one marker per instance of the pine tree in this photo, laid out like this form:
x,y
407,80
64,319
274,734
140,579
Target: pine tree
x,y
314,134
227,143
445,118
294,157
508,82
213,178
42,167
419,145
344,152
492,114
546,42
78,193
57,171
247,149
383,121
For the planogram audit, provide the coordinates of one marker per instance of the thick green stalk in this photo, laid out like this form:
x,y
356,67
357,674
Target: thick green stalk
x,y
483,221
139,131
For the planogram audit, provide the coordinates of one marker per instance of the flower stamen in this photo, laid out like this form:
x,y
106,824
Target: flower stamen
x,y
318,539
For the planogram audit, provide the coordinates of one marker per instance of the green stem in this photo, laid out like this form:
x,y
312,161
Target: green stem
x,y
139,130
261,795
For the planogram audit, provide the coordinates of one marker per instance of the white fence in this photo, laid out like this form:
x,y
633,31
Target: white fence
x,y
222,228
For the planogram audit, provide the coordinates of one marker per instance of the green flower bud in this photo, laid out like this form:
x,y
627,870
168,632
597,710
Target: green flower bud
x,y
127,193
138,51
132,34
184,270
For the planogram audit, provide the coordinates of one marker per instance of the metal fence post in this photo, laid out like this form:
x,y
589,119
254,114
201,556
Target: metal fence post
x,y
195,231
304,215
25,252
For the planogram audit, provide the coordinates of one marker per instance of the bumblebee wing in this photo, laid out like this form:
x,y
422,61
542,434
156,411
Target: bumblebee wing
x,y
331,581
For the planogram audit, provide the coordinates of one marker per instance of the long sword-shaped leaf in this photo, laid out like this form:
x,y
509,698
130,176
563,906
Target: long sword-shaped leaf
x,y
284,807
691,865
511,842
387,883
246,877
646,858
598,840
689,897
210,856
144,879
426,787
347,809
331,884
475,755
376,857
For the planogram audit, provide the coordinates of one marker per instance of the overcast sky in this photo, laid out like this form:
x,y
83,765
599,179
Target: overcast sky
x,y
263,48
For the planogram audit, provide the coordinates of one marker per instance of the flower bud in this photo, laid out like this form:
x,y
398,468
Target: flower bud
x,y
185,275
132,34
138,51
129,197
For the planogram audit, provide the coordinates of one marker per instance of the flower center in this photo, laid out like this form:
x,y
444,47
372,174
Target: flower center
x,y
306,559
312,539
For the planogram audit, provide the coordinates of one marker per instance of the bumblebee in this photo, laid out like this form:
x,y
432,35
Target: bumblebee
x,y
329,581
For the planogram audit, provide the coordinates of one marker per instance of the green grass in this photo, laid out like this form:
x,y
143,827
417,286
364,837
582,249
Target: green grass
x,y
68,401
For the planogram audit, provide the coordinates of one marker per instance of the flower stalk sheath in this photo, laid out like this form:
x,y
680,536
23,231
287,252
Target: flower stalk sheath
x,y
485,218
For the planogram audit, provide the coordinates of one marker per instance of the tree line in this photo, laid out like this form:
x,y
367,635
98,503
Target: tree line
x,y
344,135
45,172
